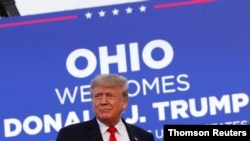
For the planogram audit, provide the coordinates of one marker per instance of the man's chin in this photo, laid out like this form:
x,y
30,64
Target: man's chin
x,y
105,115
105,119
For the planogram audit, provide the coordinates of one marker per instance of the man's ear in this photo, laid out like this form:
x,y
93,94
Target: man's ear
x,y
125,103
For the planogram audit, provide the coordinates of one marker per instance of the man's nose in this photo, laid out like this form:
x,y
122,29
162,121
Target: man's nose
x,y
104,99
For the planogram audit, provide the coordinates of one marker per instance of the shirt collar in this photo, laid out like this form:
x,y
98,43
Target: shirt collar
x,y
119,126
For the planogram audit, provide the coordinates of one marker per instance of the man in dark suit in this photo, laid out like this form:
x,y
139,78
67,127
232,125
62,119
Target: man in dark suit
x,y
109,94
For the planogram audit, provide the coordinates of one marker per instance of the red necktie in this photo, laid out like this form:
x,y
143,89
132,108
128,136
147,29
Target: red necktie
x,y
112,131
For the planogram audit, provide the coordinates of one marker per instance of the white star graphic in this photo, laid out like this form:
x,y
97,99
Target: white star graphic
x,y
115,12
129,10
102,13
88,15
142,8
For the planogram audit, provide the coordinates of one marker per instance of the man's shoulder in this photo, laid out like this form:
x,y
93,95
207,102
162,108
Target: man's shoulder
x,y
137,129
78,131
139,132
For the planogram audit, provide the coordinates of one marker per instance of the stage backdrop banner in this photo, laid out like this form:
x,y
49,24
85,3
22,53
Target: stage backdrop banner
x,y
187,62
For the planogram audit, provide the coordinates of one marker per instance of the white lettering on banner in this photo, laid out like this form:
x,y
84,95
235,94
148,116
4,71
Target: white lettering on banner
x,y
135,115
150,61
71,63
181,108
120,58
106,59
67,94
159,134
7,127
236,122
85,95
13,127
165,84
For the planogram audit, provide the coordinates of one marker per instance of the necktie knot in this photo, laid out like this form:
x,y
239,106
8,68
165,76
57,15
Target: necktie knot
x,y
112,131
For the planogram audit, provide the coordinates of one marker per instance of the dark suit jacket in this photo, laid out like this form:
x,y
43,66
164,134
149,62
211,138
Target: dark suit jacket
x,y
89,131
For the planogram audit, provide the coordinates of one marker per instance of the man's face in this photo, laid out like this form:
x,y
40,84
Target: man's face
x,y
108,104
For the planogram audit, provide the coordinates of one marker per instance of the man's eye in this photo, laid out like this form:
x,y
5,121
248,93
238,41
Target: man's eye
x,y
111,96
97,96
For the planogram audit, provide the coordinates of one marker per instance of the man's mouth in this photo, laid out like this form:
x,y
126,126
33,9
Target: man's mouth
x,y
104,110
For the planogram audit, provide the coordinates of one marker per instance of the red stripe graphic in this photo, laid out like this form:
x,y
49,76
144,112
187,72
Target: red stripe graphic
x,y
186,2
39,21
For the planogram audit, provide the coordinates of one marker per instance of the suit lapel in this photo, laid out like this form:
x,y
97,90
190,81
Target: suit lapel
x,y
131,132
94,131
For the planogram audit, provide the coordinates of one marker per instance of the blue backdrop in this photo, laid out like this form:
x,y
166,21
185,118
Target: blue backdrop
x,y
187,62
